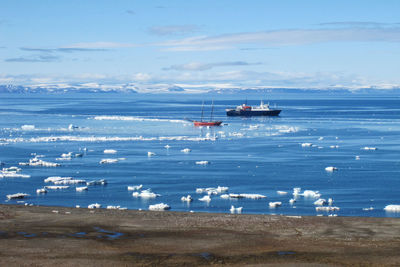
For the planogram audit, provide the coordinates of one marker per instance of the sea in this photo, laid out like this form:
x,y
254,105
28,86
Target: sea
x,y
148,142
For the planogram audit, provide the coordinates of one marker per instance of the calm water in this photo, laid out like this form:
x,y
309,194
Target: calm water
x,y
248,155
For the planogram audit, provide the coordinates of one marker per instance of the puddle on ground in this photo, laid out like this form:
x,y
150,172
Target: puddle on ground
x,y
26,234
110,234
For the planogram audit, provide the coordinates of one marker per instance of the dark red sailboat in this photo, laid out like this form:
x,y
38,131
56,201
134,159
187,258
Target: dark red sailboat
x,y
211,122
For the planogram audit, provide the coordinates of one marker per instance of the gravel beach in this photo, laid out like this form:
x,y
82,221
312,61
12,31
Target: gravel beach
x,y
47,236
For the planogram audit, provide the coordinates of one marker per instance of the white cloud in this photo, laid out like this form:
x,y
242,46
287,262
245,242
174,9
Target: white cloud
x,y
173,29
98,45
197,66
284,38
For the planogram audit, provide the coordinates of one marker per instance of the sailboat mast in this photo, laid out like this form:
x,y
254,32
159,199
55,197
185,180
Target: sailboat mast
x,y
212,110
202,111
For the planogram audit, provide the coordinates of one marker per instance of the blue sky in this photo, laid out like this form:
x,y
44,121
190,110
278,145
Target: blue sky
x,y
200,44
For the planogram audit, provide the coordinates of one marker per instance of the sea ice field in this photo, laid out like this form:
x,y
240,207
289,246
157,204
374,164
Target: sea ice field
x,y
323,156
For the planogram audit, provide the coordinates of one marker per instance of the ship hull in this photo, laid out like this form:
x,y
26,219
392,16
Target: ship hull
x,y
207,123
250,113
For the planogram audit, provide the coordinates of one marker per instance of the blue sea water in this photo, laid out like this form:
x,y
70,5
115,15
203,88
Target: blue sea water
x,y
248,155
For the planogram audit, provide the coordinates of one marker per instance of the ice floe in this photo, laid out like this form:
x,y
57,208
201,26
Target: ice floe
x,y
236,210
292,201
159,207
320,202
131,118
17,196
56,187
306,144
110,151
97,182
150,154
53,179
369,148
276,204
202,162
81,188
327,209
188,198
205,198
250,196
94,206
28,127
368,209
186,150
331,169
311,194
41,191
104,139
281,192
357,157
108,161
167,146
134,187
38,162
212,190
392,208
145,194
110,207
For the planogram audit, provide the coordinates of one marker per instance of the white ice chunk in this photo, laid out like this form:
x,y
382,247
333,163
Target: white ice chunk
x,y
56,187
205,198
306,144
41,191
134,187
357,157
329,208
281,192
392,208
292,201
320,202
167,146
236,210
81,189
311,194
330,201
108,161
28,127
186,150
225,196
273,205
159,207
296,191
53,179
188,198
110,151
331,169
145,194
94,206
17,195
150,154
97,182
370,148
113,207
202,162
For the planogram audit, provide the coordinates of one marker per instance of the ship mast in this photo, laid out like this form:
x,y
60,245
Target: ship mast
x,y
212,110
202,111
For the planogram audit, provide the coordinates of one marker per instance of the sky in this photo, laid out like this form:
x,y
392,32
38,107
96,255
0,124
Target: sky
x,y
201,44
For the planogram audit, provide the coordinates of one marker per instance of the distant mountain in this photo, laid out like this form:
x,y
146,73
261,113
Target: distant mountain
x,y
64,89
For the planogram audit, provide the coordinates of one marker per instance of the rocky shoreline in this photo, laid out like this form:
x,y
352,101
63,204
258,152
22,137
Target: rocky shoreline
x,y
45,236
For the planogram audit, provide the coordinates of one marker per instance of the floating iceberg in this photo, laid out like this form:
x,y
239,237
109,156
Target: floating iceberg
x,y
281,192
150,154
108,161
236,210
276,204
205,198
188,198
186,150
370,148
202,162
134,187
81,189
17,196
56,187
311,194
212,190
41,191
392,208
94,206
97,182
331,169
159,207
28,127
327,208
53,179
38,162
251,196
110,151
306,144
145,194
320,202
